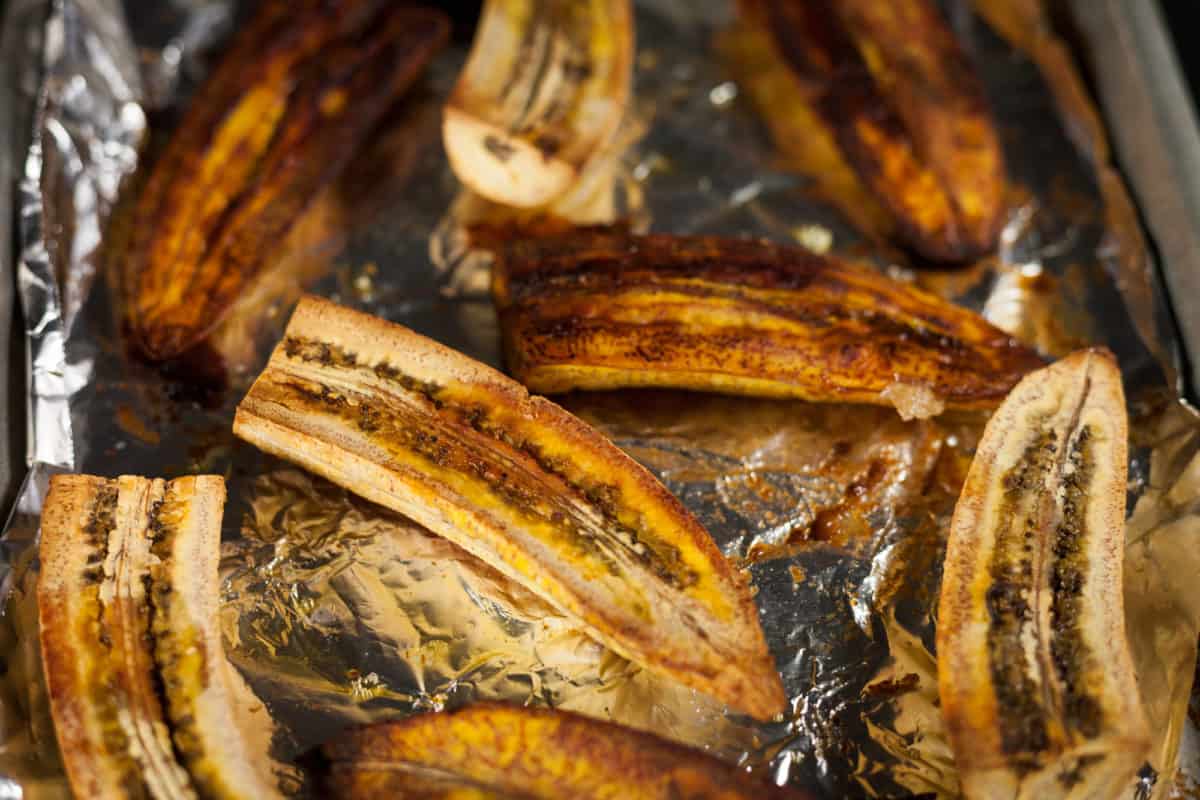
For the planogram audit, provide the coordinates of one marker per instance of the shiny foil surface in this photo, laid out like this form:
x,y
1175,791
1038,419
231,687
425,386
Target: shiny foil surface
x,y
339,612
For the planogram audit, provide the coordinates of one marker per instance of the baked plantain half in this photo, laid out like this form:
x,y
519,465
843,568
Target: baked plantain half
x,y
542,93
300,88
518,482
600,308
1036,680
907,110
493,750
144,703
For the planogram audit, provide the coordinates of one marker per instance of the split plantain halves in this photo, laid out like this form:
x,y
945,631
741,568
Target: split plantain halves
x,y
518,482
604,309
277,121
907,110
543,92
1036,679
145,704
492,750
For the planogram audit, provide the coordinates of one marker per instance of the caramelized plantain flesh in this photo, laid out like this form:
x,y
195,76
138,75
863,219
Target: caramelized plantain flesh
x,y
1035,676
907,109
518,482
121,607
497,751
605,309
300,88
94,623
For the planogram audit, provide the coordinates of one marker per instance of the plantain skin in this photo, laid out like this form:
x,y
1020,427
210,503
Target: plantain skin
x,y
907,110
492,750
300,88
518,482
542,94
1035,676
601,308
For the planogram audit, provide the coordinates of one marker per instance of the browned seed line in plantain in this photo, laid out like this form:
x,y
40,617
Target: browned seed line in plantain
x,y
1071,655
1023,713
101,523
178,654
524,491
662,558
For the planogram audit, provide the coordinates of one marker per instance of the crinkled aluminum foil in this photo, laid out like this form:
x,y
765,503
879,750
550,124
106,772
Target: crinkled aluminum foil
x,y
339,612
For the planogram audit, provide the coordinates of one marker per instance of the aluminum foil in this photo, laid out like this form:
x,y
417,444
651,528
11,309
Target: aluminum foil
x,y
339,612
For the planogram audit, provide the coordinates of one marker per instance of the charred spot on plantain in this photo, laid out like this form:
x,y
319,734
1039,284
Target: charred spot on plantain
x,y
1019,696
102,517
498,148
548,145
1070,653
101,521
334,356
323,353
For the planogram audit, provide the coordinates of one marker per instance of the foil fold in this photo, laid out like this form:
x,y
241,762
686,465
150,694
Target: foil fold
x,y
339,612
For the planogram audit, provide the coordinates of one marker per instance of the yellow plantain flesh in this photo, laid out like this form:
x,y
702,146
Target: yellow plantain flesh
x,y
1035,676
601,308
122,605
543,93
300,88
497,751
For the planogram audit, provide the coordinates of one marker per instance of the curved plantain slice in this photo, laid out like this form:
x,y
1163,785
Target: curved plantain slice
x,y
518,482
277,121
543,92
1035,675
492,750
907,110
123,727
603,309
221,731
95,652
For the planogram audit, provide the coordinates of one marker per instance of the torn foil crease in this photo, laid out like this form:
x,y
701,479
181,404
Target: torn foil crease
x,y
339,612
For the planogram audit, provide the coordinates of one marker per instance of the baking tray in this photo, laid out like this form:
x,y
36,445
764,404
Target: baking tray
x,y
1170,365
1127,52
16,105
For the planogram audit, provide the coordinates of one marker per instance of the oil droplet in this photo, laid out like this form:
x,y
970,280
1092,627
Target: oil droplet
x,y
723,94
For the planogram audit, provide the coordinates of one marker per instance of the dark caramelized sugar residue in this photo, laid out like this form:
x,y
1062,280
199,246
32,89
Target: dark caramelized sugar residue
x,y
102,520
1043,469
1013,576
1070,653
